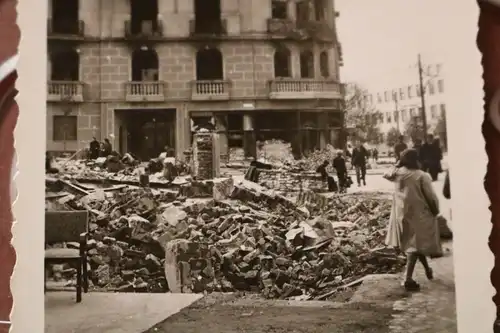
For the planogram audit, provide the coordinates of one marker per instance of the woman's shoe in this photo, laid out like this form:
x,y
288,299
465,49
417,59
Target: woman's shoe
x,y
411,286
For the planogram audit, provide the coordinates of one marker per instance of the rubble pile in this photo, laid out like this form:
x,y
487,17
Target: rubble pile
x,y
148,240
291,182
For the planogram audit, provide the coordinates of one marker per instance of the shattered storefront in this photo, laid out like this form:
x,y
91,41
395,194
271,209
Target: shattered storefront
x,y
306,130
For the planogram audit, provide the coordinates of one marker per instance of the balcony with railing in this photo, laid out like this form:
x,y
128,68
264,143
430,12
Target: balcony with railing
x,y
205,90
65,28
146,29
286,88
145,91
65,91
208,29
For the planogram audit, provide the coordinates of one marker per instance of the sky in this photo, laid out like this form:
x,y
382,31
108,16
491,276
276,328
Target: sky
x,y
381,39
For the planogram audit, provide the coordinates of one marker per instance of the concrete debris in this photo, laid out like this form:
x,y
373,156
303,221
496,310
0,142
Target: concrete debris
x,y
240,237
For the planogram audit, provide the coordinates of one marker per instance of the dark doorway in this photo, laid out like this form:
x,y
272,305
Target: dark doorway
x,y
207,17
282,63
144,17
65,66
145,65
65,17
209,64
148,131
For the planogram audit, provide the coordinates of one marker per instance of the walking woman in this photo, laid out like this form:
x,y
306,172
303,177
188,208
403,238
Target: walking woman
x,y
413,228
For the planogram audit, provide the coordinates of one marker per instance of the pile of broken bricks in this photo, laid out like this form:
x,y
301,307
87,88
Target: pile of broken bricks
x,y
243,237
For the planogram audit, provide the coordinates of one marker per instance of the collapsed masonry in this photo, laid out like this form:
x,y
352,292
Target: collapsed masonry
x,y
247,238
208,233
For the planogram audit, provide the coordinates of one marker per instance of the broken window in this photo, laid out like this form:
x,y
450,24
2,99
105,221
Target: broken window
x,y
302,10
279,10
65,65
319,10
144,17
207,17
306,65
65,128
282,62
145,65
323,63
209,64
65,17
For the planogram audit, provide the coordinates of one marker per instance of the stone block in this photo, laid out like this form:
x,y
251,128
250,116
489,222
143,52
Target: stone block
x,y
186,266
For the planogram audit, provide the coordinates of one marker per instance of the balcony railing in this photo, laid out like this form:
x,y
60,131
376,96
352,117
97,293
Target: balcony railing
x,y
144,29
65,91
280,26
217,28
304,89
203,90
145,91
65,28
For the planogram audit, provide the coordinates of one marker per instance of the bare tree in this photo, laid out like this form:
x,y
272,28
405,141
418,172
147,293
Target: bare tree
x,y
361,115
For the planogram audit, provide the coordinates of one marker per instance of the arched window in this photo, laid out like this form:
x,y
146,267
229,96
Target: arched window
x,y
324,64
306,64
145,65
282,63
65,65
209,65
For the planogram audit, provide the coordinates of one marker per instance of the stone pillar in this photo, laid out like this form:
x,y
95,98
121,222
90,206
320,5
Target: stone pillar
x,y
221,130
292,10
322,129
249,141
203,163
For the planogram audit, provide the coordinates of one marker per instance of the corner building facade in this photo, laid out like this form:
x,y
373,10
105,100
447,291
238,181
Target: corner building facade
x,y
146,72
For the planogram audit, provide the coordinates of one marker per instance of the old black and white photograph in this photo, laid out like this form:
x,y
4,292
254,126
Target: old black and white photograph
x,y
258,166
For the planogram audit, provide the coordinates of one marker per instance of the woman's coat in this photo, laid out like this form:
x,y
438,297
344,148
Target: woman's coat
x,y
412,225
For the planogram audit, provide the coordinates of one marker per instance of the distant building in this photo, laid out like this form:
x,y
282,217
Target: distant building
x,y
400,101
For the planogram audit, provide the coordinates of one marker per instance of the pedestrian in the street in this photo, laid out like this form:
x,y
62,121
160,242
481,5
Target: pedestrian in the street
x,y
94,149
358,160
431,156
332,185
446,187
340,166
400,147
375,155
413,226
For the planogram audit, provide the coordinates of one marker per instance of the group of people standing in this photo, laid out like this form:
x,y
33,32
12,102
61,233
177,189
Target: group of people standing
x,y
99,149
429,154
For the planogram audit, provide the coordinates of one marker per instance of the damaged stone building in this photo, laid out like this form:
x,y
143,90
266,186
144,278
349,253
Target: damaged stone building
x,y
146,73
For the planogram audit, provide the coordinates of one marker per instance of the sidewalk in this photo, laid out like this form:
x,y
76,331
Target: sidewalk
x,y
432,309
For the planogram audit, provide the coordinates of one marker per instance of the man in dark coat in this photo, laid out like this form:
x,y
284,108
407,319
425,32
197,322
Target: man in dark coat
x,y
400,147
358,160
340,166
431,157
94,149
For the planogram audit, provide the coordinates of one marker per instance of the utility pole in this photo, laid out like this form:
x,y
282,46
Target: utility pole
x,y
396,110
422,97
